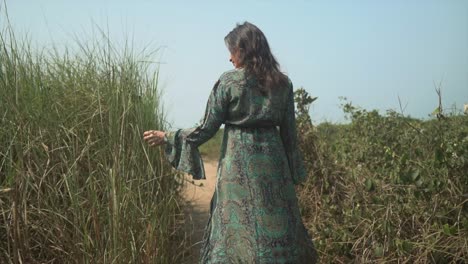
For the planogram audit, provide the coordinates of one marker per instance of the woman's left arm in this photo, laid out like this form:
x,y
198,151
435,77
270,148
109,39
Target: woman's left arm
x,y
154,137
181,148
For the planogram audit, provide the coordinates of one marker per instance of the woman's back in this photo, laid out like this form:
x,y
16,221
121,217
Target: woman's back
x,y
248,106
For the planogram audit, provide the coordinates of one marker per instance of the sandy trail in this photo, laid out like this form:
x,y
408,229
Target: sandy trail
x,y
198,198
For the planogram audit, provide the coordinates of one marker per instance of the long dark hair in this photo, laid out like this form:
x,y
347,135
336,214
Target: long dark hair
x,y
254,54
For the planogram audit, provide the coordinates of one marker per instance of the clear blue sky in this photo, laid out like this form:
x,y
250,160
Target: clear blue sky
x,y
369,51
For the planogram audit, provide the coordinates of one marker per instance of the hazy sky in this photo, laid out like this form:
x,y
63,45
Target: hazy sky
x,y
372,52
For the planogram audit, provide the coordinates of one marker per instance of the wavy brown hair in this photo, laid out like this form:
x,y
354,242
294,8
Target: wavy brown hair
x,y
248,43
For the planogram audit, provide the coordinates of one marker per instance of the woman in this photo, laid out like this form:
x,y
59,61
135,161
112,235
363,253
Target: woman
x,y
254,214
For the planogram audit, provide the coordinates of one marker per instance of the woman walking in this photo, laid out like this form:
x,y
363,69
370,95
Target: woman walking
x,y
254,213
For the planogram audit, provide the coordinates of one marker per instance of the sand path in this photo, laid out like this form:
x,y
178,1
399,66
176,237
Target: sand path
x,y
198,197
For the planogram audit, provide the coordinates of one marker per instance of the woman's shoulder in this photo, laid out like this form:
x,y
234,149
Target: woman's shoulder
x,y
235,75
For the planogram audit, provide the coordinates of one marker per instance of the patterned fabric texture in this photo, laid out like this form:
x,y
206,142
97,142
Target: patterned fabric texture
x,y
254,215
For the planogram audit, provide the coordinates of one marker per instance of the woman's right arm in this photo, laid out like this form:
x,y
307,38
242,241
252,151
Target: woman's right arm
x,y
289,137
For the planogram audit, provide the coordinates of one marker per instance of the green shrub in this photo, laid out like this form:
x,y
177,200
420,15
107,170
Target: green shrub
x,y
387,188
212,148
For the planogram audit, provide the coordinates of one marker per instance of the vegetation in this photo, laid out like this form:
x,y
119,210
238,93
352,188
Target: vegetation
x,y
386,188
77,183
212,148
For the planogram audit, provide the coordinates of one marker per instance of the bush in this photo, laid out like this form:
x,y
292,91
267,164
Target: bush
x,y
212,148
387,188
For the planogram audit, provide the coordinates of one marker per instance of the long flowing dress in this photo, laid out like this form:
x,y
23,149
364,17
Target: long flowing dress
x,y
254,213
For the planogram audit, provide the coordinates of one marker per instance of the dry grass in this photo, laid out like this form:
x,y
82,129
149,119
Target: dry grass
x,y
77,184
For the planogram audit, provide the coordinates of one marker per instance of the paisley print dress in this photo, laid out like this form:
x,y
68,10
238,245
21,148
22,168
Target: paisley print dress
x,y
254,215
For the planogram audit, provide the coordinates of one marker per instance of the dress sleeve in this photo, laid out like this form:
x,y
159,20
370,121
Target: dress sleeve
x,y
289,137
181,148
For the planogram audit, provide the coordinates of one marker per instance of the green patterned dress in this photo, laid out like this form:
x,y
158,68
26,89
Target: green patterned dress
x,y
254,215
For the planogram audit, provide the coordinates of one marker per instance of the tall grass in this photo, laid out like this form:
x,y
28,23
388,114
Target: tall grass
x,y
77,183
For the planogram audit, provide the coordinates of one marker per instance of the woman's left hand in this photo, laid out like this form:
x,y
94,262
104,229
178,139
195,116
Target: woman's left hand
x,y
154,137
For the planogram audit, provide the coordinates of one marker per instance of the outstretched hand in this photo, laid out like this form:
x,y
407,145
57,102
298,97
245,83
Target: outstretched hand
x,y
154,137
